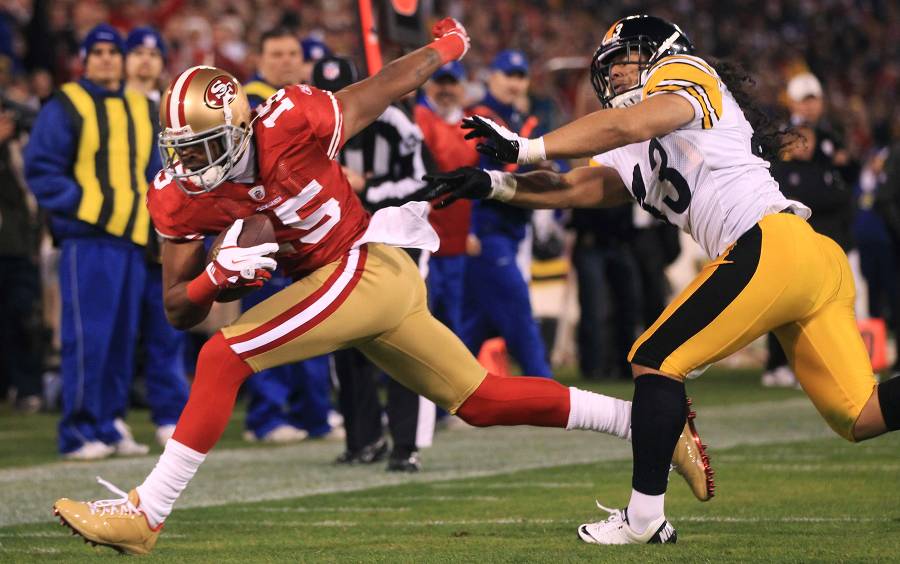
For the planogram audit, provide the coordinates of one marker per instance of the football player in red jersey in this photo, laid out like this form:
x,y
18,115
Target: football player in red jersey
x,y
353,288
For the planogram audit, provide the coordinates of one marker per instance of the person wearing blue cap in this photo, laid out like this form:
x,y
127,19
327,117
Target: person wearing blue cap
x,y
286,403
313,50
145,57
496,298
88,162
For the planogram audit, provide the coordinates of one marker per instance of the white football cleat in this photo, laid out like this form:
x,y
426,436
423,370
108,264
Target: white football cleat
x,y
129,447
616,530
93,450
281,434
164,433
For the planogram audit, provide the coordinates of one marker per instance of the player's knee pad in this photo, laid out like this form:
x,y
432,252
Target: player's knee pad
x,y
889,399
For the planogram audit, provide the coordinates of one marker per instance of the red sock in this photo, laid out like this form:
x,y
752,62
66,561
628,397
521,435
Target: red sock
x,y
517,401
220,373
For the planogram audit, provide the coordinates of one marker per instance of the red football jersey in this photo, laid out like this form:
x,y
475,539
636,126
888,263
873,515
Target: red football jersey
x,y
299,185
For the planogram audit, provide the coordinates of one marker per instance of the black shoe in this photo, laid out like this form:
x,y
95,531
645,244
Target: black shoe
x,y
372,453
407,463
347,457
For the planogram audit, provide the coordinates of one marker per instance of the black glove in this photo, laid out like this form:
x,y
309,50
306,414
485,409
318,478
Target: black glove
x,y
466,182
504,145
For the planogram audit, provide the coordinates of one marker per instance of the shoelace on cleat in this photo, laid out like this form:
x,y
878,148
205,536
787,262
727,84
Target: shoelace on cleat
x,y
120,506
614,514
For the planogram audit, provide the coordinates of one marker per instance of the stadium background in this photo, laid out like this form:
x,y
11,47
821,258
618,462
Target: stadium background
x,y
764,440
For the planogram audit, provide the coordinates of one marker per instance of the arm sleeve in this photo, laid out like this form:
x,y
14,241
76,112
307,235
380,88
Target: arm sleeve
x,y
48,160
692,79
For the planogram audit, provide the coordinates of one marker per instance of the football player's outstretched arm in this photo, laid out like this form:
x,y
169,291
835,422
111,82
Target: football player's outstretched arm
x,y
181,263
363,102
582,187
590,135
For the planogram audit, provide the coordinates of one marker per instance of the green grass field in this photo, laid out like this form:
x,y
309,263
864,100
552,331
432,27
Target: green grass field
x,y
788,490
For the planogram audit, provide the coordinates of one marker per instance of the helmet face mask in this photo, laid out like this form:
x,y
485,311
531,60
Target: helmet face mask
x,y
206,128
635,40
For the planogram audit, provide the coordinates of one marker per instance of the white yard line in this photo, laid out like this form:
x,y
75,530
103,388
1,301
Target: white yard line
x,y
259,474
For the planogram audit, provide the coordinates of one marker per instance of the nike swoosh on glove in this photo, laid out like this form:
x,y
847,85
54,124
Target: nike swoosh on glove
x,y
236,266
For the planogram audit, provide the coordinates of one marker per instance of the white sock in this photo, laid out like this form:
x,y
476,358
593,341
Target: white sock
x,y
643,509
176,466
596,412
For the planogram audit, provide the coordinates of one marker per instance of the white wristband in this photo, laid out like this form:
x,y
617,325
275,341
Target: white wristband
x,y
503,185
531,151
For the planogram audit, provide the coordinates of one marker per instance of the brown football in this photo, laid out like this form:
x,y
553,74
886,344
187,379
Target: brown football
x,y
258,229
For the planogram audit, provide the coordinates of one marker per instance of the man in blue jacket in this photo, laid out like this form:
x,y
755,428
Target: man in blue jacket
x,y
496,297
89,160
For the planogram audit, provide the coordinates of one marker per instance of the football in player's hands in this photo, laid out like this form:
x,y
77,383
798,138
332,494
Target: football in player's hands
x,y
466,182
256,230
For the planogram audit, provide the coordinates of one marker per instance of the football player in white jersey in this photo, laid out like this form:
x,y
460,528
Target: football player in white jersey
x,y
673,136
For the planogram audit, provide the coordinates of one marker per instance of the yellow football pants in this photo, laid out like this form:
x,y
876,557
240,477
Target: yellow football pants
x,y
780,276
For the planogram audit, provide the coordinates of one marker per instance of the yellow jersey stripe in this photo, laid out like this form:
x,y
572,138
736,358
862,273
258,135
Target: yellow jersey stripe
x,y
707,120
144,137
260,89
117,148
677,72
687,59
88,145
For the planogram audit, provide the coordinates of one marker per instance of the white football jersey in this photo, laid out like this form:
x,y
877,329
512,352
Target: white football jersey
x,y
702,177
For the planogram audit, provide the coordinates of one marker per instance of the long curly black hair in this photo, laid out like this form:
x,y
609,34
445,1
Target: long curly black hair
x,y
770,135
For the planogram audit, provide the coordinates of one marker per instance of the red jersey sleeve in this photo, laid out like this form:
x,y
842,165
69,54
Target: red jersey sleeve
x,y
164,202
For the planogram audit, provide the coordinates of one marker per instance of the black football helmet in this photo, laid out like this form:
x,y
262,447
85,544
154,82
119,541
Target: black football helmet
x,y
651,37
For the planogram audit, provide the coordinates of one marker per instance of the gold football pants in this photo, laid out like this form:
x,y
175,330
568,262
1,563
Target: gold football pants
x,y
780,276
373,299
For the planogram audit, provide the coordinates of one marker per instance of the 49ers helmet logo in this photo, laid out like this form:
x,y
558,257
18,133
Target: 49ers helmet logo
x,y
219,88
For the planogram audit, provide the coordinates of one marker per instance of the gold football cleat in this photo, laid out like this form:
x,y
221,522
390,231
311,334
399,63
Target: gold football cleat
x,y
117,523
691,461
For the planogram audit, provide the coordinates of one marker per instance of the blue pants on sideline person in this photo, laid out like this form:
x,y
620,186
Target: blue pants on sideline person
x,y
496,302
164,370
101,282
445,289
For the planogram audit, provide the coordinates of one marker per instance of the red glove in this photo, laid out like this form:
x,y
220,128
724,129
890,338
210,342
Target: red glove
x,y
451,40
233,267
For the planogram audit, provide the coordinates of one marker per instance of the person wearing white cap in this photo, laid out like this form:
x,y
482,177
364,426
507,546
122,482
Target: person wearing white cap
x,y
807,102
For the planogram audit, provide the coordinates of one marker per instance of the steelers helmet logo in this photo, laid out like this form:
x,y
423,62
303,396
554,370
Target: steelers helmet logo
x,y
220,88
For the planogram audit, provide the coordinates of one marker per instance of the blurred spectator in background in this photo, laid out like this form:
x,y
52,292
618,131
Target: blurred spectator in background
x,y
877,250
888,206
88,162
496,299
292,402
21,328
144,62
438,114
815,182
162,347
314,50
608,286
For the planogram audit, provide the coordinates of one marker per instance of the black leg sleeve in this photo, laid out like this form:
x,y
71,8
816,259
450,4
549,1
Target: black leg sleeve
x,y
889,399
658,414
